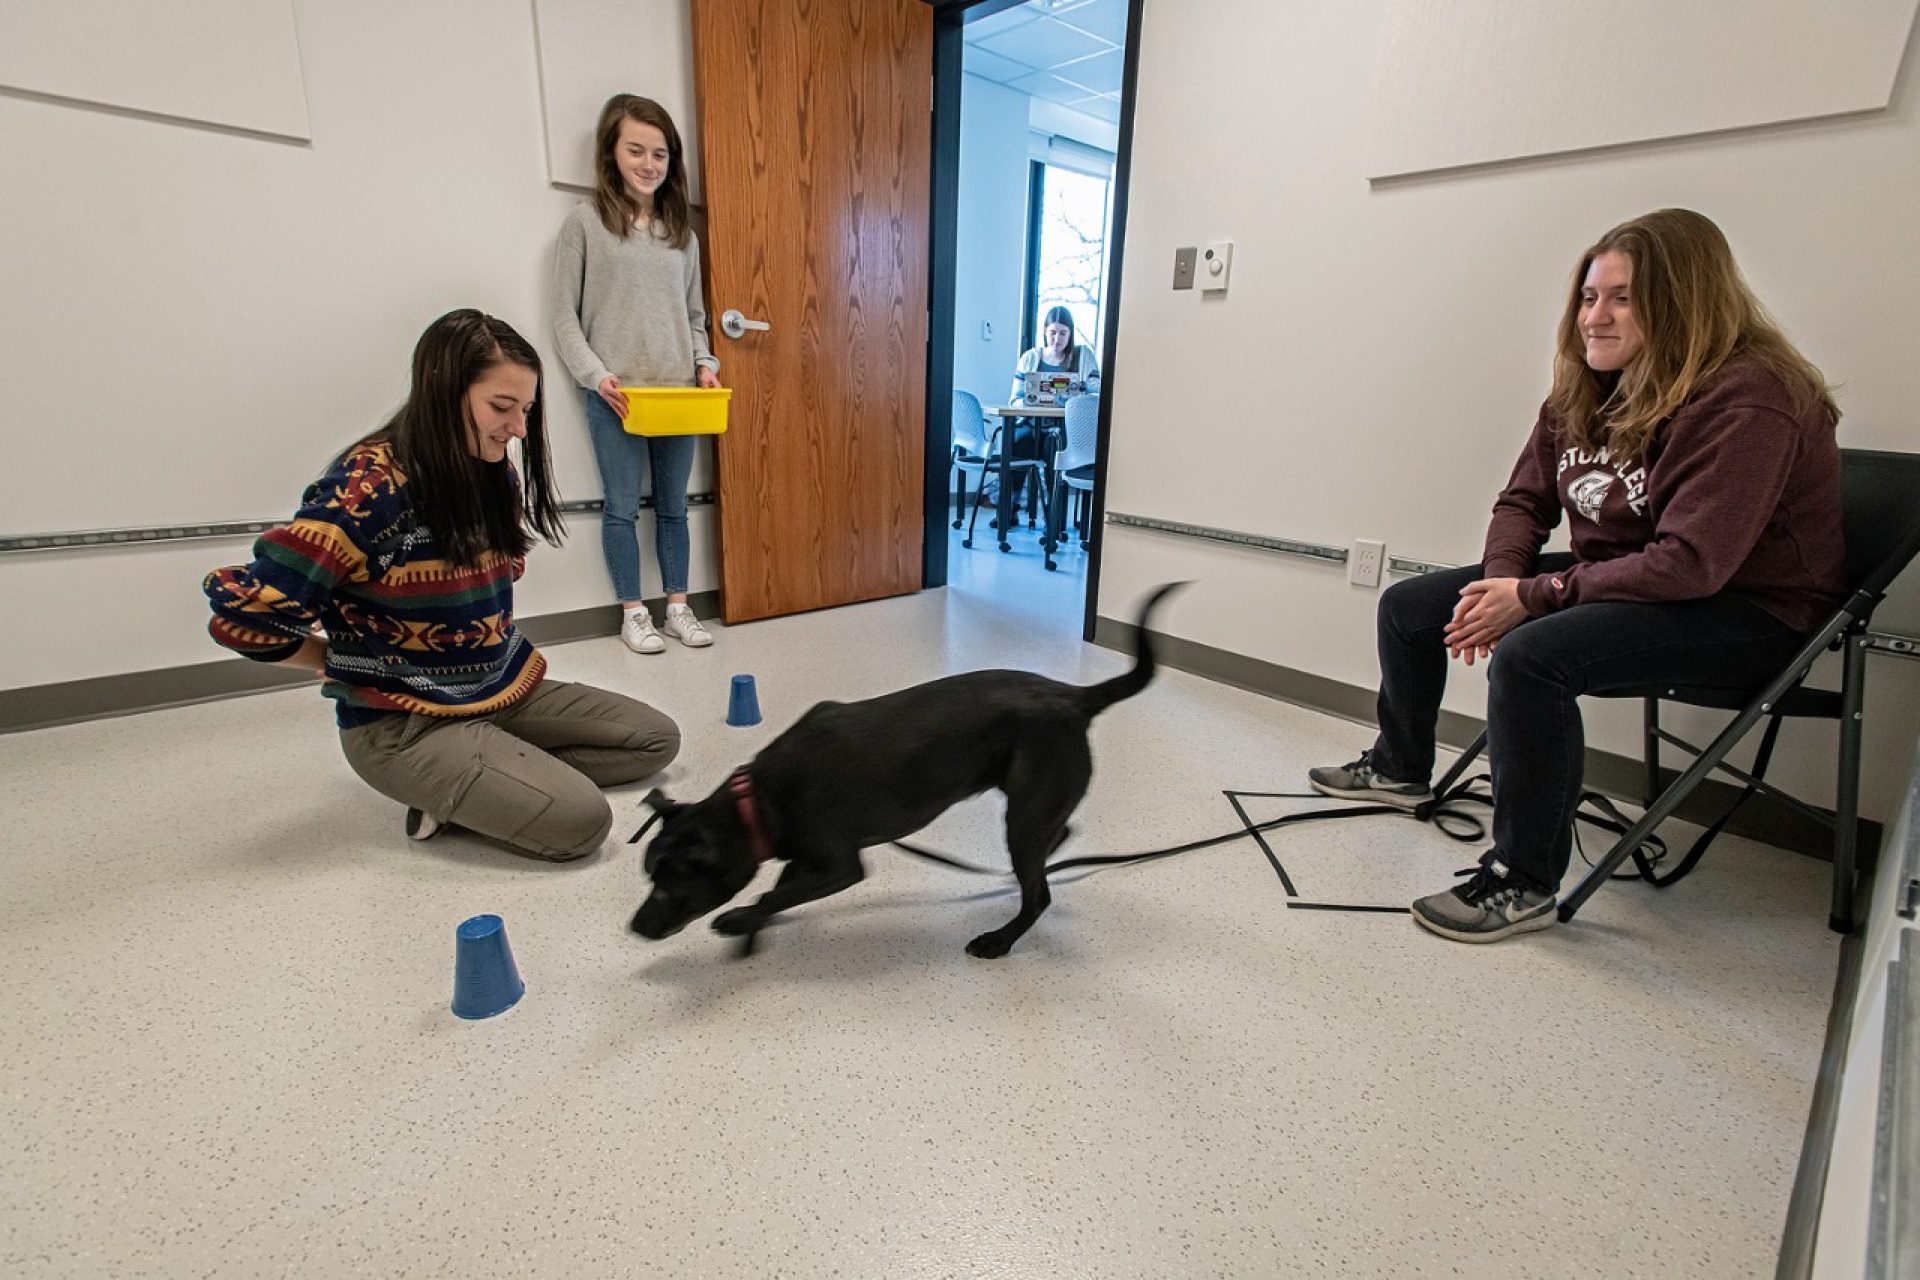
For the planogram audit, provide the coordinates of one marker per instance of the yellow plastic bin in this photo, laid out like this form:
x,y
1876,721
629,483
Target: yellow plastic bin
x,y
676,411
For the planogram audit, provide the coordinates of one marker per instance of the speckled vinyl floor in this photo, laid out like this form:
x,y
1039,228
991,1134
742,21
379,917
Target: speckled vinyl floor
x,y
227,1048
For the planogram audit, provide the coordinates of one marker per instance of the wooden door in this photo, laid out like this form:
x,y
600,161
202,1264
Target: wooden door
x,y
815,150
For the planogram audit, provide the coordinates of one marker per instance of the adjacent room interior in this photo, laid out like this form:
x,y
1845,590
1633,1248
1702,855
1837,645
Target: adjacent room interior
x,y
1038,135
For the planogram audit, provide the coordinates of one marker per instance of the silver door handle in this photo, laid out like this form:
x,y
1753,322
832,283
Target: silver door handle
x,y
735,325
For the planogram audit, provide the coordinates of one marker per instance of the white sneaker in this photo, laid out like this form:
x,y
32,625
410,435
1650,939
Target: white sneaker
x,y
637,633
684,627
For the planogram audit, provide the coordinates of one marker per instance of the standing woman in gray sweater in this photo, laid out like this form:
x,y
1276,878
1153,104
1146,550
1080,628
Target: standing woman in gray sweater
x,y
628,311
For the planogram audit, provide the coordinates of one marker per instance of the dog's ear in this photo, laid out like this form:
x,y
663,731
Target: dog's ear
x,y
656,800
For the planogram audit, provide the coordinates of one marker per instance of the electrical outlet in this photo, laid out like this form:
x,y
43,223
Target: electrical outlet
x,y
986,331
1364,559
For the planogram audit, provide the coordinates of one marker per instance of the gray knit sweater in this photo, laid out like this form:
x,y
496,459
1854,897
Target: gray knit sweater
x,y
630,309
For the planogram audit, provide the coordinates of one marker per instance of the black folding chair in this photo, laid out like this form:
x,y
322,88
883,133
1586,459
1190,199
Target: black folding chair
x,y
1880,510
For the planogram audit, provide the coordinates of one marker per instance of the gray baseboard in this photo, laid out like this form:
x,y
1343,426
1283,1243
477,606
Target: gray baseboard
x,y
100,697
1761,818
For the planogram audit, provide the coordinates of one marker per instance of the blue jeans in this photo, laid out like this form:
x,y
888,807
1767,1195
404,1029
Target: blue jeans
x,y
1536,744
621,457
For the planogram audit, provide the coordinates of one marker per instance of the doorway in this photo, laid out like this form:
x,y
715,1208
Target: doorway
x,y
1032,130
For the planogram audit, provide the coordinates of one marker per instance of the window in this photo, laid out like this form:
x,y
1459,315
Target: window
x,y
1070,217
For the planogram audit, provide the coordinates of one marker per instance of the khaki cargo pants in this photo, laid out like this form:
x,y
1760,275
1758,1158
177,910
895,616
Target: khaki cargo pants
x,y
529,775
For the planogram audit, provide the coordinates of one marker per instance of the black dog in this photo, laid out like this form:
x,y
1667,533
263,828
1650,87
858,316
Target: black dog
x,y
850,775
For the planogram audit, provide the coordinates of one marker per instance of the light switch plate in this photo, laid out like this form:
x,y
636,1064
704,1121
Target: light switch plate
x,y
1215,266
1183,260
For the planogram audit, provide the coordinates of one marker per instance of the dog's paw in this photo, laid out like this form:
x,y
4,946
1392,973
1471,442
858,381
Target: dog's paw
x,y
989,946
739,922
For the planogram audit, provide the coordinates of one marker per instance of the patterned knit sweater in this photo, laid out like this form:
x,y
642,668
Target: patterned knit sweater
x,y
406,631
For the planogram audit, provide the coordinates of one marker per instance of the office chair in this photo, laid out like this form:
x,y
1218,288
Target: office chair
x,y
1880,512
1073,470
976,453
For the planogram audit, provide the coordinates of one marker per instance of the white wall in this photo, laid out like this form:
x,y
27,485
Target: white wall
x,y
592,49
231,63
1388,345
990,237
1479,80
195,320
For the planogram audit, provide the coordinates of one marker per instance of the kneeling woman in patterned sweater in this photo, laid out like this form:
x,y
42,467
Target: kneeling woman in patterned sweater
x,y
404,554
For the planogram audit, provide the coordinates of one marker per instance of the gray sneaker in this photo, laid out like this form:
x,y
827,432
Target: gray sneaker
x,y
1486,908
1358,781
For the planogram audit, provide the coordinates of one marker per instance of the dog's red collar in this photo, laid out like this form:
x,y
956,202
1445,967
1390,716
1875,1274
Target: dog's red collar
x,y
742,787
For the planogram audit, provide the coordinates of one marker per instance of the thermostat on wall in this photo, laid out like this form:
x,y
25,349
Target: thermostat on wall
x,y
1216,261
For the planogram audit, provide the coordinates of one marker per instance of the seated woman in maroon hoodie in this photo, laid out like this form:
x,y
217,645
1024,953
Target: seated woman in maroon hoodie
x,y
1692,450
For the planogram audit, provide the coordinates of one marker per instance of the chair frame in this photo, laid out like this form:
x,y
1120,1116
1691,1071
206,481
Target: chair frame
x,y
998,463
1845,630
993,461
1059,517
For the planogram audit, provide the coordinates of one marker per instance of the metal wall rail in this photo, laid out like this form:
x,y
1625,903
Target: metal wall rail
x,y
1233,537
1877,641
1261,542
88,539
1407,568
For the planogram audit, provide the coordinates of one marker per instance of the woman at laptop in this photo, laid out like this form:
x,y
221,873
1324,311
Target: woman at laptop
x,y
1690,449
1059,352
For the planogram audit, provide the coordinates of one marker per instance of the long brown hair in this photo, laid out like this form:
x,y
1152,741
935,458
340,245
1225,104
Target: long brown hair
x,y
1694,312
471,506
610,200
1060,315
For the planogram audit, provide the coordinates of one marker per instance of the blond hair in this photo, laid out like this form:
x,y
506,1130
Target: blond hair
x,y
1694,312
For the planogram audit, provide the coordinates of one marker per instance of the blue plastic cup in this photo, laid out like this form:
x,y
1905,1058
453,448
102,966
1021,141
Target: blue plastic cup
x,y
743,704
485,979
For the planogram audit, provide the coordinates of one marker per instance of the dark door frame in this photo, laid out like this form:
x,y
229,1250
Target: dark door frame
x,y
948,48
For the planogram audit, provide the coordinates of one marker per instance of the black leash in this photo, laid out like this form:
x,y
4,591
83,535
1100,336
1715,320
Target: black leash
x,y
1119,859
1443,812
1460,826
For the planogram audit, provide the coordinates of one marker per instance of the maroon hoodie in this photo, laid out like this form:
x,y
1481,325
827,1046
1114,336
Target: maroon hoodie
x,y
1737,493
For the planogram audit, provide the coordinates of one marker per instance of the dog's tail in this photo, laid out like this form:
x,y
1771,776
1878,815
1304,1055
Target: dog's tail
x,y
1097,698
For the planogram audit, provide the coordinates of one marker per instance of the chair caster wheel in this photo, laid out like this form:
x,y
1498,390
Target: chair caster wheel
x,y
966,542
958,523
1051,566
1006,547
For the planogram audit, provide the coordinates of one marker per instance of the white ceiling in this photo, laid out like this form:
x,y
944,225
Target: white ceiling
x,y
1066,51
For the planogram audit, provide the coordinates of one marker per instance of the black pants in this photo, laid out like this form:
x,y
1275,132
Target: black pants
x,y
1021,442
1535,742
1024,441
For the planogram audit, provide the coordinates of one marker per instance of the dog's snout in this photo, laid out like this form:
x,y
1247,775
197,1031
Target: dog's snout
x,y
654,925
